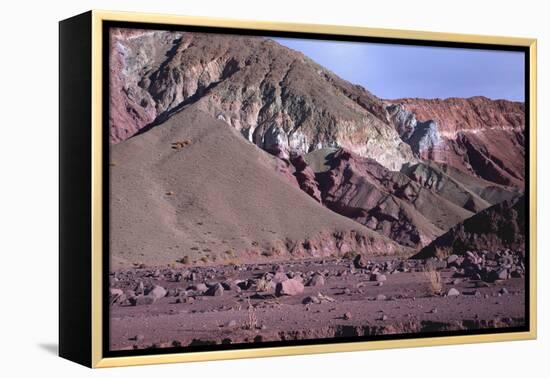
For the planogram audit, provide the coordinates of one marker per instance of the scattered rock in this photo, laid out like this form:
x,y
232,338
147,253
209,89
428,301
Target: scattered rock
x,y
347,316
453,292
310,299
502,274
115,292
142,300
278,268
137,338
325,298
289,287
231,324
157,292
378,277
215,290
360,262
201,288
452,259
381,297
280,277
316,280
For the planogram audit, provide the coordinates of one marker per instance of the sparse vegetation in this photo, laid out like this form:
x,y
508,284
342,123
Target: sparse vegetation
x,y
180,144
434,280
350,255
185,260
263,285
252,320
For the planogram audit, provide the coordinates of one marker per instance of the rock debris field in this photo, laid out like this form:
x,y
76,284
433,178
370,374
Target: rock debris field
x,y
314,299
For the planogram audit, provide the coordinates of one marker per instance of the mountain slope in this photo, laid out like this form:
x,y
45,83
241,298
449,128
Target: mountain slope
x,y
499,227
385,201
477,135
275,97
194,187
461,188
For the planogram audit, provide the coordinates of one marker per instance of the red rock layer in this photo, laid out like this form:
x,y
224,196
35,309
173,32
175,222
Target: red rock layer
x,y
479,135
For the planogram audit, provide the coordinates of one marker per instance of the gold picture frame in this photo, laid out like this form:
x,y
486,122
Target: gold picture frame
x,y
93,263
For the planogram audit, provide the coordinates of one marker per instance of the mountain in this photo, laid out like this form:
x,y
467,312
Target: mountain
x,y
277,98
227,148
195,187
498,227
477,135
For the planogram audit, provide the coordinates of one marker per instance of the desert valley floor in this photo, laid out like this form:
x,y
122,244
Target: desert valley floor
x,y
324,299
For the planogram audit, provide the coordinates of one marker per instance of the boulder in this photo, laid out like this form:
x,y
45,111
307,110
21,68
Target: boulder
x,y
157,292
289,287
201,288
215,290
316,280
280,277
453,292
360,262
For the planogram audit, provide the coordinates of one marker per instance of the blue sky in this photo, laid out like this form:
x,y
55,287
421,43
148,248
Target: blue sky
x,y
395,71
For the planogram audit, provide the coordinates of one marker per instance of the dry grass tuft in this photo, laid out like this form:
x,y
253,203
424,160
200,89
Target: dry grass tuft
x,y
252,321
434,280
184,260
263,284
350,255
180,144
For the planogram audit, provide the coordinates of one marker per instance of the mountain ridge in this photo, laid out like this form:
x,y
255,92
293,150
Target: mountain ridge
x,y
278,99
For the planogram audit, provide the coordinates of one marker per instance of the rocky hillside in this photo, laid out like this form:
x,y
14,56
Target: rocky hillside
x,y
411,207
499,227
193,190
461,188
275,97
477,135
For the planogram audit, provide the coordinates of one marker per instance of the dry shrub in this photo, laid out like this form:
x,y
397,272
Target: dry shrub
x,y
263,284
180,144
185,260
434,280
252,321
350,255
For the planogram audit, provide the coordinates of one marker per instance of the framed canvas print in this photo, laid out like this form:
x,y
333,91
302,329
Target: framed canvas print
x,y
236,189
